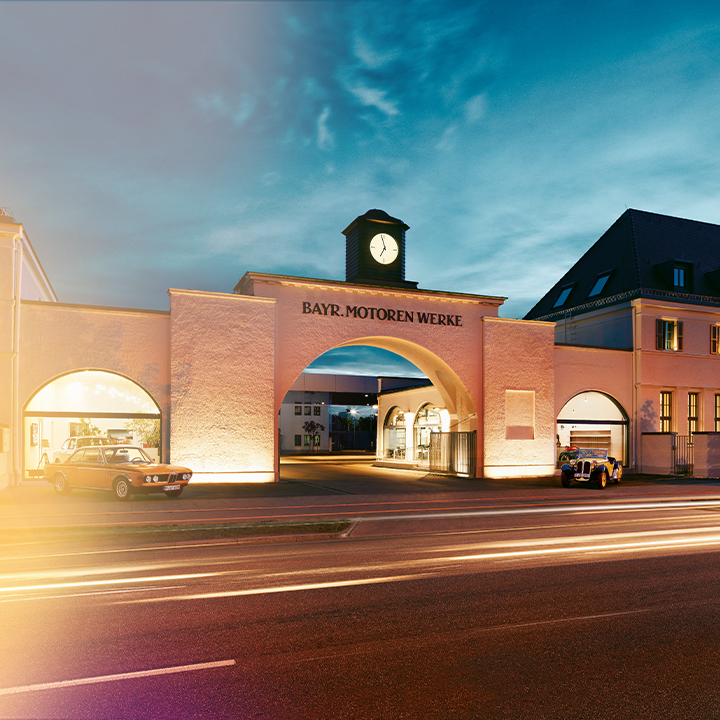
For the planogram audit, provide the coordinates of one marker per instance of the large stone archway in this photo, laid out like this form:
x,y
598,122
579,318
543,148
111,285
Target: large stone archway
x,y
234,358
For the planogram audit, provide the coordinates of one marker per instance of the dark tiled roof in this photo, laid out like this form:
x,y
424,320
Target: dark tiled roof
x,y
635,249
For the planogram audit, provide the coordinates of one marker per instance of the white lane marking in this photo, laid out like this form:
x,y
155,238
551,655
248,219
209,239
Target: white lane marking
x,y
113,678
285,588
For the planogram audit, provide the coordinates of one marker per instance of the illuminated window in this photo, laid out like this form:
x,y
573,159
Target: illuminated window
x,y
665,411
715,339
307,409
669,335
599,285
693,400
298,409
717,412
563,296
308,440
316,409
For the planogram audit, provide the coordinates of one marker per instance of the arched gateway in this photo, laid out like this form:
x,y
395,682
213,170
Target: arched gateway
x,y
234,357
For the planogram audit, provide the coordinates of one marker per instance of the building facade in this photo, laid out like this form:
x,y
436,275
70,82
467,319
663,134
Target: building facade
x,y
599,360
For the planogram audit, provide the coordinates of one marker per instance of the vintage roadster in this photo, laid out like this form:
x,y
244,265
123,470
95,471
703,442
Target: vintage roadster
x,y
591,465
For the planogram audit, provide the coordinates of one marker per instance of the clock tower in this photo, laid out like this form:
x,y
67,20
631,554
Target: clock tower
x,y
375,251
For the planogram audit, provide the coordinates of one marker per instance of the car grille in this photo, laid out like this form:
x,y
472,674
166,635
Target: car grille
x,y
584,468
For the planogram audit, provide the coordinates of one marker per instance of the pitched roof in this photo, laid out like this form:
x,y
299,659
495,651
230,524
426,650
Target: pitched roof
x,y
640,252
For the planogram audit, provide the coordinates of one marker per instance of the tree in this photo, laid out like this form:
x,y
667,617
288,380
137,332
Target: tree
x,y
313,429
146,429
87,428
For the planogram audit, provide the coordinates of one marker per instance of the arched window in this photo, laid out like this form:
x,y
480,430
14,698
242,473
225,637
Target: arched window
x,y
98,405
395,434
427,420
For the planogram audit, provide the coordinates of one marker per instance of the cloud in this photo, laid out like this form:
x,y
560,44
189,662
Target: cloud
x,y
325,140
475,108
372,97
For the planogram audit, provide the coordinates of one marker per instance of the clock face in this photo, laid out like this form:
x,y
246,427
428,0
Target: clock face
x,y
384,248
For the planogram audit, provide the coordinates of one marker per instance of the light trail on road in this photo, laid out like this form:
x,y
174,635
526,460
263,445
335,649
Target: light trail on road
x,y
115,678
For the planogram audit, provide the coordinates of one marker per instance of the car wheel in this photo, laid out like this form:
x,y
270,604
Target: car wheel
x,y
174,493
123,489
61,484
602,479
566,478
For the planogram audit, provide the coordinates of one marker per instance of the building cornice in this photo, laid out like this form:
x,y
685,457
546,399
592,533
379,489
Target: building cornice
x,y
319,283
651,294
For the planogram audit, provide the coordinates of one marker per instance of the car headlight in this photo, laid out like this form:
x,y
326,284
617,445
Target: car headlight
x,y
147,479
186,476
594,463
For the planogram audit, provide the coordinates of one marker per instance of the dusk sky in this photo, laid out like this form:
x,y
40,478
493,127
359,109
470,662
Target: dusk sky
x,y
149,145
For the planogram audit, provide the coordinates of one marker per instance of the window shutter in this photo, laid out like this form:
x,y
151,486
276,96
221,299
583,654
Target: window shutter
x,y
658,334
679,331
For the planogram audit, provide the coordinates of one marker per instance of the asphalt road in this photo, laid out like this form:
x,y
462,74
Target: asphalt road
x,y
579,611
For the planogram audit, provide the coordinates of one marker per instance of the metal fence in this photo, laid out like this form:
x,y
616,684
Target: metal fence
x,y
683,455
453,452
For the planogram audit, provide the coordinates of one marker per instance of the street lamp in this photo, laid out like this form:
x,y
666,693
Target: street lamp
x,y
353,412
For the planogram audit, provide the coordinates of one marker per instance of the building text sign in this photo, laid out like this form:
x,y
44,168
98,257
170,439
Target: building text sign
x,y
378,313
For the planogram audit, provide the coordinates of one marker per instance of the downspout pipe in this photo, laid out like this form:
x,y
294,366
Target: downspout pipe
x,y
17,434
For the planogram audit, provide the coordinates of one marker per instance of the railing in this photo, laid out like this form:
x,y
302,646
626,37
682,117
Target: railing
x,y
683,455
453,452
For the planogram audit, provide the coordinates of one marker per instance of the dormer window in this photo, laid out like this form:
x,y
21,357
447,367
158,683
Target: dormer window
x,y
563,296
599,285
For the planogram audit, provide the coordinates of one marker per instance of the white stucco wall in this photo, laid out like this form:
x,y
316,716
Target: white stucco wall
x,y
56,339
517,362
224,418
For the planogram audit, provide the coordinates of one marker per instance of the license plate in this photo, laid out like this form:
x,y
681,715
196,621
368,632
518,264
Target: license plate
x,y
168,488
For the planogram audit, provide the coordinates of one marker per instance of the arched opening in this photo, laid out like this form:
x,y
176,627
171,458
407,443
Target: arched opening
x,y
87,407
593,419
429,383
332,407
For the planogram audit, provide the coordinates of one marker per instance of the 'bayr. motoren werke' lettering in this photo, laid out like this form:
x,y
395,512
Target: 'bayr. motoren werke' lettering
x,y
387,314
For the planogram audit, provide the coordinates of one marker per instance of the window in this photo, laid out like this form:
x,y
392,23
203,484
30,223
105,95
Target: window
x,y
599,285
693,400
717,412
298,440
665,411
307,440
307,409
669,335
316,409
563,296
298,409
679,276
715,339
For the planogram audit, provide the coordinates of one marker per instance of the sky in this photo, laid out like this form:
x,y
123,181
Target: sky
x,y
150,145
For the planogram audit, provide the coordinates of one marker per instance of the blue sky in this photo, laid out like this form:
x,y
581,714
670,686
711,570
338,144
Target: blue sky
x,y
147,145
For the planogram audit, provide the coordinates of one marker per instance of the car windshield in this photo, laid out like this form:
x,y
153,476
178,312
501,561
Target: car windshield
x,y
123,454
592,453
